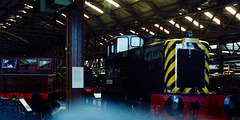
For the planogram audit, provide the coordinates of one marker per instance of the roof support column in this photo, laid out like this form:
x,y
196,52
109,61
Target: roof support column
x,y
75,55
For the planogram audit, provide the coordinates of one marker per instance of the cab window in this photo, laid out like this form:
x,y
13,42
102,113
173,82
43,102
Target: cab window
x,y
9,63
135,42
122,44
44,64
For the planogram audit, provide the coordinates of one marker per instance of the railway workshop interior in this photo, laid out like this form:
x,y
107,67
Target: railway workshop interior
x,y
119,59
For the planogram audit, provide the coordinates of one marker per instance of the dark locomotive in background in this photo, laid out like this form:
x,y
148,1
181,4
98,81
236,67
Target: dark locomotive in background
x,y
34,79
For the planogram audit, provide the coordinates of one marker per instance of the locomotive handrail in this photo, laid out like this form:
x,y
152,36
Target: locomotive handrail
x,y
28,74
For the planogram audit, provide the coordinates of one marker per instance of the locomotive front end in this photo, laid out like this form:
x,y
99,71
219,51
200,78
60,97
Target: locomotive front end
x,y
186,80
186,66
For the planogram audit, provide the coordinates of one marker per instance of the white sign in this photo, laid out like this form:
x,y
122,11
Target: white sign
x,y
24,103
77,77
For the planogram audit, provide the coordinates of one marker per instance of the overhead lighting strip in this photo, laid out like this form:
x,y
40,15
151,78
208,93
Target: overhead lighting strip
x,y
132,31
86,16
194,22
148,31
177,25
63,15
214,19
60,22
93,7
113,3
161,28
233,12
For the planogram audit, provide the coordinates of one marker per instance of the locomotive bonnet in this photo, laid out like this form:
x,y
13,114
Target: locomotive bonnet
x,y
186,66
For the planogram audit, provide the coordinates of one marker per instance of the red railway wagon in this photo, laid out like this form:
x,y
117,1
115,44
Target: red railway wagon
x,y
23,76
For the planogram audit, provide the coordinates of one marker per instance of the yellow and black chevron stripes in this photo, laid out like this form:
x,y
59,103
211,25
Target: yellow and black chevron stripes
x,y
170,64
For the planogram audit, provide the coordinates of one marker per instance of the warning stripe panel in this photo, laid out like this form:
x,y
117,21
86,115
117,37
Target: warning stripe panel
x,y
206,78
171,55
168,46
170,68
205,89
171,80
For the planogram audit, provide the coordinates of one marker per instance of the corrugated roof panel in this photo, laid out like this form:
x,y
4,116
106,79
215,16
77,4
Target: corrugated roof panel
x,y
92,23
161,3
106,18
130,1
141,7
122,14
108,5
93,11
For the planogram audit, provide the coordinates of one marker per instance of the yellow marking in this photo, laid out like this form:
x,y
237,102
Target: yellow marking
x,y
207,79
204,48
186,90
171,80
172,66
168,46
205,89
175,89
198,92
171,54
207,66
166,42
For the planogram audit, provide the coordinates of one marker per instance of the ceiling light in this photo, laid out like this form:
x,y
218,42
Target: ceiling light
x,y
194,22
22,11
177,25
18,16
12,20
64,15
28,6
8,24
143,28
86,16
152,33
93,6
121,33
111,36
132,31
113,3
199,8
60,22
166,31
232,11
4,27
156,25
100,43
161,28
214,19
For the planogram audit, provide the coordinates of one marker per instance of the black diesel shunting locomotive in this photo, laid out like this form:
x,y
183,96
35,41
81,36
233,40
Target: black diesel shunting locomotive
x,y
168,74
139,66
